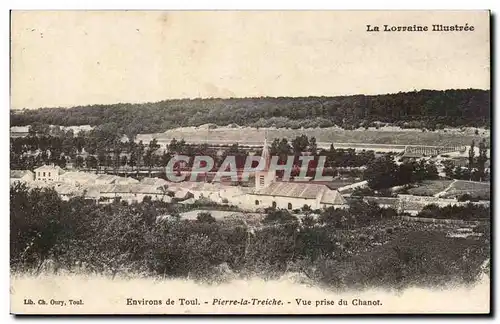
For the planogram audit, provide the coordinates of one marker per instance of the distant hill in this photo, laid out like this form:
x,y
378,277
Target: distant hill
x,y
419,109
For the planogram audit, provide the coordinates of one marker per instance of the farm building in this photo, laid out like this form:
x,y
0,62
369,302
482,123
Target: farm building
x,y
416,152
217,192
461,158
154,181
77,129
21,176
68,191
293,195
104,179
289,195
48,173
76,178
130,193
347,188
19,131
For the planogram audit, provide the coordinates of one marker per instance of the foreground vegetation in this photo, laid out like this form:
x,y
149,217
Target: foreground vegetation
x,y
364,246
418,109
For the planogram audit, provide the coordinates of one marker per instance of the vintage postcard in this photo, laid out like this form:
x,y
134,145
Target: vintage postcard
x,y
250,162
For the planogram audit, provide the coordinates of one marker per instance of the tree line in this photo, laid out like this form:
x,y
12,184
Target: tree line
x,y
105,148
383,172
468,213
476,166
429,109
130,239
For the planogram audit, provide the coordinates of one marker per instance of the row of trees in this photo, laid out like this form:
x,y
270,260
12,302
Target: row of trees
x,y
476,169
478,164
334,157
425,108
35,150
383,172
100,148
464,173
468,212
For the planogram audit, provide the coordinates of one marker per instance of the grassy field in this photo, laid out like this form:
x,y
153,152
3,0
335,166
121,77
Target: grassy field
x,y
430,187
475,189
250,136
455,188
464,185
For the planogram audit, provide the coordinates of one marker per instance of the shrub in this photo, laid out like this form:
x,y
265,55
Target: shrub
x,y
205,217
118,238
279,216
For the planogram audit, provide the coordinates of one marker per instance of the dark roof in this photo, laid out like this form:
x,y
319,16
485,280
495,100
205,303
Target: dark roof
x,y
336,184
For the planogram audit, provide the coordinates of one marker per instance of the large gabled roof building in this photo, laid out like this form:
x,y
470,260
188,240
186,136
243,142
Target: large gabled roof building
x,y
290,195
21,176
294,195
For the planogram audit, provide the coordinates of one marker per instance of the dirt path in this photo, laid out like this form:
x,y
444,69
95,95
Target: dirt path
x,y
441,193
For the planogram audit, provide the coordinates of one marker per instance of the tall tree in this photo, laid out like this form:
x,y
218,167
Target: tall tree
x,y
117,150
140,154
471,158
101,158
313,146
381,173
91,162
124,161
481,160
300,144
79,162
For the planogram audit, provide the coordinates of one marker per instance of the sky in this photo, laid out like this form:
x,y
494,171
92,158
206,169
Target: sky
x,y
69,58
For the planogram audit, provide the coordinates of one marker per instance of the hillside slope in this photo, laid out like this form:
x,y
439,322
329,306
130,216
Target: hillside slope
x,y
426,108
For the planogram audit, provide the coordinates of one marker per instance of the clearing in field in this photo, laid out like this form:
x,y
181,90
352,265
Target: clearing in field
x,y
430,187
452,189
252,136
480,190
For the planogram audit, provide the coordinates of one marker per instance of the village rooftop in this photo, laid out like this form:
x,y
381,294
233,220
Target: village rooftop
x,y
228,168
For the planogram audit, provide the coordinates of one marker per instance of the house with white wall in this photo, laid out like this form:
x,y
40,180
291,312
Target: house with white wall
x,y
48,173
295,195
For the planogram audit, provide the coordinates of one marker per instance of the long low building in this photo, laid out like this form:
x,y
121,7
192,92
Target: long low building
x,y
131,193
21,176
295,195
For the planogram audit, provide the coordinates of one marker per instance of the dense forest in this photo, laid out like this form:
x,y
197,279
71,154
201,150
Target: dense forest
x,y
418,109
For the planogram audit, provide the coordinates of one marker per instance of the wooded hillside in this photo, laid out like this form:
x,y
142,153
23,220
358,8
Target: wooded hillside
x,y
418,109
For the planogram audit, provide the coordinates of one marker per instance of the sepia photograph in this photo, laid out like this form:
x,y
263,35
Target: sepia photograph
x,y
250,162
